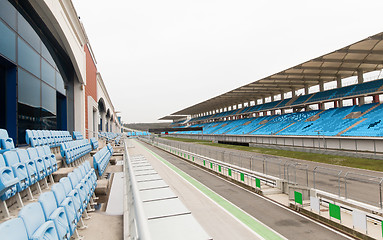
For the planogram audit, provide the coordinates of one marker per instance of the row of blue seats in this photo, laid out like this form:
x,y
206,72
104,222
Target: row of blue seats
x,y
101,159
47,137
74,150
94,143
137,133
111,136
77,136
56,214
22,168
329,123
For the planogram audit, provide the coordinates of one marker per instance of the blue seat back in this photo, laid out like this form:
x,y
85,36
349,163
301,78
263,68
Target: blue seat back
x,y
47,150
48,203
40,151
59,192
33,217
11,158
65,181
32,152
73,179
13,229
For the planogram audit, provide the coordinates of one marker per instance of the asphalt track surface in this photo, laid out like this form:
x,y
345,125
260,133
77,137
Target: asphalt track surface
x,y
361,186
284,221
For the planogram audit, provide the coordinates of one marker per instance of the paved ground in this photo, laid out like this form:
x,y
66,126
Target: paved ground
x,y
216,221
364,188
282,220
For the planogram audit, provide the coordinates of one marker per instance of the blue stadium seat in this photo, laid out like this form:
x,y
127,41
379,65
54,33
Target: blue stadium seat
x,y
68,205
55,213
30,164
40,165
35,224
41,137
47,159
8,181
19,169
14,229
5,141
52,157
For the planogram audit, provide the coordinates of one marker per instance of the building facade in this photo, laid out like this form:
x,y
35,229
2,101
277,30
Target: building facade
x,y
48,73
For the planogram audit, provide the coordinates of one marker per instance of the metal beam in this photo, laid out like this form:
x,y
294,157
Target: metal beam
x,y
360,51
334,60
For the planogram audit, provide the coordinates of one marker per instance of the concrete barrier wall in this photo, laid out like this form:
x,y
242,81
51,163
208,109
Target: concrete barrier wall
x,y
363,145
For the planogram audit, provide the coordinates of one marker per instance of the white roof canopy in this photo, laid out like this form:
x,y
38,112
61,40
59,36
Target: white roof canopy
x,y
365,55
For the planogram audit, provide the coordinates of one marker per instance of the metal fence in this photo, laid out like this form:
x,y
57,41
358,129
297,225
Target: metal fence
x,y
355,186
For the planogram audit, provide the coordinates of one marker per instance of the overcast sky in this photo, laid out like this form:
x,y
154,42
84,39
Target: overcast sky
x,y
160,56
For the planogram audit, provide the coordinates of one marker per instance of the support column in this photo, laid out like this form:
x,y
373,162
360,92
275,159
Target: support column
x,y
338,81
321,85
360,80
306,89
354,101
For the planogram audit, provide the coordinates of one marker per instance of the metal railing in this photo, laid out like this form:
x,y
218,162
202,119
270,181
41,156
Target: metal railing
x,y
348,185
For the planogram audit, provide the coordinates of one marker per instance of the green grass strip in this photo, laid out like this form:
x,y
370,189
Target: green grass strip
x,y
246,219
354,162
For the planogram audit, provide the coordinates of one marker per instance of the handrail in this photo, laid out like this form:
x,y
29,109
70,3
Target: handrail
x,y
139,222
267,179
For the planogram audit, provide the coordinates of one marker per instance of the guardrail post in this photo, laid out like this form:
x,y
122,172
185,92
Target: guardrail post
x,y
380,193
251,162
345,186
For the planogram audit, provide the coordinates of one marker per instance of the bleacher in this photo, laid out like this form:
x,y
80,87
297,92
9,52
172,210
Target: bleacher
x,y
78,136
328,123
47,137
101,159
75,150
94,143
57,213
32,204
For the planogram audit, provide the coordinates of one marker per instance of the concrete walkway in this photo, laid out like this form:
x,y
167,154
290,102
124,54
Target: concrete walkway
x,y
216,221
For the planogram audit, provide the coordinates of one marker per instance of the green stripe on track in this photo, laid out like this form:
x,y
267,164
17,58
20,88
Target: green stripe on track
x,y
242,216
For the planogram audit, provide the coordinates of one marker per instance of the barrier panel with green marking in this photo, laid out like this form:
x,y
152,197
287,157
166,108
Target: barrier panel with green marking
x,y
334,211
258,183
298,197
242,177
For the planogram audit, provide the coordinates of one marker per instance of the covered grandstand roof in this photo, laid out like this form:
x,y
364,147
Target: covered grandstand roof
x,y
173,117
365,55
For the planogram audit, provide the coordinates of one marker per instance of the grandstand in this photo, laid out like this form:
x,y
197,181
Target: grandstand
x,y
288,107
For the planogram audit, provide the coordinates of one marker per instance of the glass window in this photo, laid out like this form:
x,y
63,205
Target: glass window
x,y
45,53
60,84
8,13
28,33
28,89
48,99
7,42
48,73
28,58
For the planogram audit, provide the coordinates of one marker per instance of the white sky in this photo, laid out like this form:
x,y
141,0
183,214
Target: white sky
x,y
160,56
